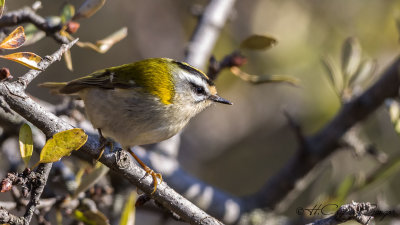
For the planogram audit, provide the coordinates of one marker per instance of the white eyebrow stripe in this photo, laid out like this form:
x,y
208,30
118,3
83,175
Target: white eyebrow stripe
x,y
195,79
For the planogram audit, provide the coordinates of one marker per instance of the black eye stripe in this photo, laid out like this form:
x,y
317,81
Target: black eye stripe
x,y
198,89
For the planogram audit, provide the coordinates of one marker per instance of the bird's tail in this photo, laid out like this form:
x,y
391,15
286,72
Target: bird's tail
x,y
53,86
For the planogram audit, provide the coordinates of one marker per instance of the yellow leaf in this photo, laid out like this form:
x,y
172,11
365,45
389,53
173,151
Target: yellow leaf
x,y
59,216
27,59
90,179
62,144
68,60
258,42
88,8
14,40
128,214
25,143
2,3
91,217
79,175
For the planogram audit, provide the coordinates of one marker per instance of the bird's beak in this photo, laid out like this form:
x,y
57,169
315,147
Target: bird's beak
x,y
218,99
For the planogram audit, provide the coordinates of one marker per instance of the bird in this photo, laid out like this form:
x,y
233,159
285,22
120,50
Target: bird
x,y
143,102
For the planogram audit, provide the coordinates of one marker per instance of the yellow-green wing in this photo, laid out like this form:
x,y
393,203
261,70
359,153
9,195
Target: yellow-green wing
x,y
152,75
108,79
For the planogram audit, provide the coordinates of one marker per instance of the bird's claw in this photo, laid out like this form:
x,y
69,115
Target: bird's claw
x,y
154,175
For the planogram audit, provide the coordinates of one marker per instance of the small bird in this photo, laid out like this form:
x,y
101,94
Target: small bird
x,y
143,102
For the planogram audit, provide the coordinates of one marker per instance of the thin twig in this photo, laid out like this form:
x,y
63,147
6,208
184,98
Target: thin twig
x,y
8,218
363,213
42,173
27,15
46,62
119,161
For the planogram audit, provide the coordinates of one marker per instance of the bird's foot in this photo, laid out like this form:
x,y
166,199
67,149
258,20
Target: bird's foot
x,y
147,169
154,175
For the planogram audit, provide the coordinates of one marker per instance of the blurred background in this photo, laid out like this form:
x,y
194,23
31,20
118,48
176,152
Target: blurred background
x,y
250,140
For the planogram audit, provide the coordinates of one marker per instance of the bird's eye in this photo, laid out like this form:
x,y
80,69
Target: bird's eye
x,y
200,90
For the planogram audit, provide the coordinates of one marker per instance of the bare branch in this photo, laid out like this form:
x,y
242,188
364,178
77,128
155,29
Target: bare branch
x,y
42,173
26,15
363,213
6,217
120,161
207,31
46,62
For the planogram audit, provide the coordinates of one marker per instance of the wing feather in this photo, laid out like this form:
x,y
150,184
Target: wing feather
x,y
115,77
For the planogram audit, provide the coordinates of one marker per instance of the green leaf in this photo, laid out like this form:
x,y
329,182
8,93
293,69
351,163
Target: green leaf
x,y
258,42
53,21
384,172
67,12
91,217
28,59
128,214
62,144
25,143
351,57
394,114
14,40
90,179
344,189
364,74
2,4
32,34
88,8
333,73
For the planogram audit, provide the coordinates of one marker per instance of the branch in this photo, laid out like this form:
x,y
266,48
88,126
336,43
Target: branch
x,y
207,32
16,90
326,141
213,200
363,213
26,15
42,174
120,162
46,62
8,218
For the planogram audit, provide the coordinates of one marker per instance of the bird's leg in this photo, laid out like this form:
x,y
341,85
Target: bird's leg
x,y
149,171
103,143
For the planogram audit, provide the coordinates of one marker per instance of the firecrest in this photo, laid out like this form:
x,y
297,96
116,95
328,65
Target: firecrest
x,y
142,102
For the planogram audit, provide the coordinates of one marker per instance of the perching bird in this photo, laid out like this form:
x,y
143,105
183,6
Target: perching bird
x,y
143,102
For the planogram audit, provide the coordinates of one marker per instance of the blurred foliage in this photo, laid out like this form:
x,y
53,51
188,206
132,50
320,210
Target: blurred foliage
x,y
253,135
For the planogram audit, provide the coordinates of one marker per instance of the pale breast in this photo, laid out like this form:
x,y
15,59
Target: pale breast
x,y
128,118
